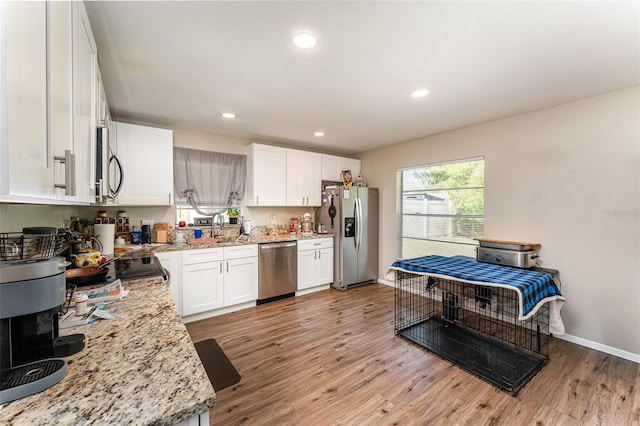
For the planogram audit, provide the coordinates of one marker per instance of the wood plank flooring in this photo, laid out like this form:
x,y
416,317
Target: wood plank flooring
x,y
331,358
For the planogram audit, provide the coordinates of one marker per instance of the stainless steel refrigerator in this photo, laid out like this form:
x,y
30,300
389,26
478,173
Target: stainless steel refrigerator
x,y
351,213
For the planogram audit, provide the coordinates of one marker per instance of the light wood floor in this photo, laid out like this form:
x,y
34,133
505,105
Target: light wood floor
x,y
331,358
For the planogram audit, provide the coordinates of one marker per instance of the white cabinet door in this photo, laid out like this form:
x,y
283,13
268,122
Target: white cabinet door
x,y
353,165
266,175
306,265
171,262
26,170
332,167
240,280
202,287
324,273
315,262
61,95
85,62
146,155
303,178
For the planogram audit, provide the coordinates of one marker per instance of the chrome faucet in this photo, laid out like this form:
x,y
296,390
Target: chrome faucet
x,y
214,222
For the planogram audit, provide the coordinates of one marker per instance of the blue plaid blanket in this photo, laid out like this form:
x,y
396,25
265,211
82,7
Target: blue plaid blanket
x,y
533,287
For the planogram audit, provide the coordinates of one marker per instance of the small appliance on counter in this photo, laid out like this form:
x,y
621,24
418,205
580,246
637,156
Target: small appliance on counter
x,y
507,253
32,293
145,238
307,224
247,226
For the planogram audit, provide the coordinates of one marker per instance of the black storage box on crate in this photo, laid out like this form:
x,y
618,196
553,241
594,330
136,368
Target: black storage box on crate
x,y
473,326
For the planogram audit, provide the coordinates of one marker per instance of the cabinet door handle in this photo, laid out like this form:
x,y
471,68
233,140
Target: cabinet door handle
x,y
227,266
319,254
220,267
257,200
169,198
69,161
315,255
70,165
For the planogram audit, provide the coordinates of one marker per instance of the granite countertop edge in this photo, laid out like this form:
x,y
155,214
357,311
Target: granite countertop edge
x,y
141,368
262,239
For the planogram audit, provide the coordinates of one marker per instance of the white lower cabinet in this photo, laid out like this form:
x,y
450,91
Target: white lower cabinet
x,y
218,277
202,280
170,261
315,262
240,274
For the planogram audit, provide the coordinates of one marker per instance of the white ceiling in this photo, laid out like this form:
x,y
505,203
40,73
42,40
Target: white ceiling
x,y
180,64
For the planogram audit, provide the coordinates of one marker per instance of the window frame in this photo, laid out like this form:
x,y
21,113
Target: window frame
x,y
400,215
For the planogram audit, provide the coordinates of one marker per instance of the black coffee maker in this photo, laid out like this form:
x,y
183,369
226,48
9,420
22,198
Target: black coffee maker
x,y
32,293
146,234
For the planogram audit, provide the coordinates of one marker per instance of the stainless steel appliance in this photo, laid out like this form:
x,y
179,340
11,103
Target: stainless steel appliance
x,y
352,214
277,270
133,267
508,253
109,173
32,293
307,224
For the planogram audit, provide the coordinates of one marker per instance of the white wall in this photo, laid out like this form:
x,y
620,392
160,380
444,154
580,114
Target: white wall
x,y
567,177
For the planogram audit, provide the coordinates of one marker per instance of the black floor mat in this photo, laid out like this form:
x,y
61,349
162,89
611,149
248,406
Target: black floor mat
x,y
221,372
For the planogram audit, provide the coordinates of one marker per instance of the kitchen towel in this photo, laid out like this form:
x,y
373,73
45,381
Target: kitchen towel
x,y
105,234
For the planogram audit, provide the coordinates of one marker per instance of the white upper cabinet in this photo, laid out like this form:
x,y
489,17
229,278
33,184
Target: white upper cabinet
x,y
48,109
146,155
85,64
332,167
266,175
303,178
26,172
61,98
282,177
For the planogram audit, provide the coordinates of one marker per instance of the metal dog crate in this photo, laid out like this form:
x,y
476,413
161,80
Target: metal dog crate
x,y
473,326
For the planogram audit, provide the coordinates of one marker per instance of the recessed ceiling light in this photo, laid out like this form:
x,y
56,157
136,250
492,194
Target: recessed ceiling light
x,y
228,115
305,41
318,134
420,93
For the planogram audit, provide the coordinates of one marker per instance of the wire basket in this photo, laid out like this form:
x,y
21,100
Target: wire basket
x,y
18,246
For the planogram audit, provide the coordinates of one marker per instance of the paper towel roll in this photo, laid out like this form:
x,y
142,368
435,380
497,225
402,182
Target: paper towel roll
x,y
106,235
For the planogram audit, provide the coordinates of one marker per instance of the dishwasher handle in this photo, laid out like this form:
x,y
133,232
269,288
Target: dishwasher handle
x,y
277,245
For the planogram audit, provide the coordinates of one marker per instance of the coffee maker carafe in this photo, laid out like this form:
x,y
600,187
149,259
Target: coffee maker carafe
x,y
32,293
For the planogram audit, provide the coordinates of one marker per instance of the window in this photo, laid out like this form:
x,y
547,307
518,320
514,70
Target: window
x,y
441,209
207,183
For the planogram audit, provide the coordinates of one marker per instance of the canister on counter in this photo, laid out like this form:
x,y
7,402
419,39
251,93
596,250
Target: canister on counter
x,y
82,304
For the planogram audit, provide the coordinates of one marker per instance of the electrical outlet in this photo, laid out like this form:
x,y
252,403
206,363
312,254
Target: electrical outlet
x,y
147,222
273,219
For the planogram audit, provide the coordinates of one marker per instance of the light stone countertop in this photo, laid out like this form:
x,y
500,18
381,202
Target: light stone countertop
x,y
140,368
255,239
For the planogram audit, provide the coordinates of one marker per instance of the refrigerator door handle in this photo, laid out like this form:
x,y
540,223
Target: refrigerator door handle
x,y
358,214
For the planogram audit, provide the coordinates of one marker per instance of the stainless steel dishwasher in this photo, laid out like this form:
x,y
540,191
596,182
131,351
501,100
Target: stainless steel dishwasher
x,y
277,270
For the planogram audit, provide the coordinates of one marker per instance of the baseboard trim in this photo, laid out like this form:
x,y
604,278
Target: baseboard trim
x,y
574,339
386,282
601,348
